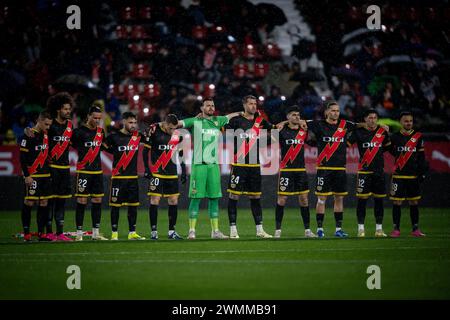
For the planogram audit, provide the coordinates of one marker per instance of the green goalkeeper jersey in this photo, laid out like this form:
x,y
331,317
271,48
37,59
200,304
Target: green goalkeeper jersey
x,y
205,134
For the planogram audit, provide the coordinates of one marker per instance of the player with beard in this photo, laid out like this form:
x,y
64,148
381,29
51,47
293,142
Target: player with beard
x,y
124,190
292,179
88,140
409,172
372,142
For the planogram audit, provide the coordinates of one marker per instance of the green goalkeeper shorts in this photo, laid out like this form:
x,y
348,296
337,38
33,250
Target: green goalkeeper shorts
x,y
205,181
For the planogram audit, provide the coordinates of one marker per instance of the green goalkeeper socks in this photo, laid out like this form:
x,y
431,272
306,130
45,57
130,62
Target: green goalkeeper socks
x,y
194,207
213,211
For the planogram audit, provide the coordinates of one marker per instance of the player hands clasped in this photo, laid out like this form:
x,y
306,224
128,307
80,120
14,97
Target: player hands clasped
x,y
409,172
33,159
205,173
292,179
124,191
60,107
162,142
331,136
88,140
372,141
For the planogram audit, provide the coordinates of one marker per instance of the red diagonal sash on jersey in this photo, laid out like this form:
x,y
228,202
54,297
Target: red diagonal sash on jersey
x,y
41,158
92,152
60,147
329,150
246,147
368,156
165,157
409,146
126,157
294,149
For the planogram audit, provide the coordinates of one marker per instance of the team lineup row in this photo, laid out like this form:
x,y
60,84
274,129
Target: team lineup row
x,y
45,165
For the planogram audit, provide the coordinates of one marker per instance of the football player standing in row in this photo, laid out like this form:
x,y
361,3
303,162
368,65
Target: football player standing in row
x,y
162,142
36,173
88,140
292,179
409,171
372,141
124,190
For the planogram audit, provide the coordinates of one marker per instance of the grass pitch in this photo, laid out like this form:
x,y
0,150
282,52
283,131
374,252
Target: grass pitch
x,y
248,268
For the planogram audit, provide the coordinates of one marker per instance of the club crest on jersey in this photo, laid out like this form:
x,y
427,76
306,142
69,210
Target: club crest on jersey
x,y
99,134
81,189
216,123
256,125
134,138
282,188
359,190
153,188
319,188
413,140
302,133
68,129
32,191
340,129
233,185
113,199
378,135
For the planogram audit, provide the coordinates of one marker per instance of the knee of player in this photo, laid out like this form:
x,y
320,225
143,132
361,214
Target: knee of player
x,y
29,203
397,202
43,203
173,201
82,200
234,196
96,200
413,202
154,200
281,201
303,200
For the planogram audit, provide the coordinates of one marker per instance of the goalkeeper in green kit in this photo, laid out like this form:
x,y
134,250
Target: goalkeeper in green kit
x,y
205,181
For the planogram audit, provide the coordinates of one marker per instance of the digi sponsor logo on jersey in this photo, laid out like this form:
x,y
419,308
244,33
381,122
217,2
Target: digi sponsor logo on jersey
x,y
127,148
247,135
90,144
212,132
295,141
165,147
41,147
332,139
61,139
371,145
406,149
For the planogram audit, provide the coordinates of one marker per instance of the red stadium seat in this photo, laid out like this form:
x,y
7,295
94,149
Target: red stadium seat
x,y
141,71
272,51
139,32
130,90
199,32
122,32
198,88
116,90
209,90
250,52
135,48
240,70
128,13
145,13
260,70
151,90
149,48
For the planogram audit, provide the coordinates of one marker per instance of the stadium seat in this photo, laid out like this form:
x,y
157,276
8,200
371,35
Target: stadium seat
x,y
149,48
145,13
209,90
116,90
141,71
135,48
272,51
122,32
260,70
138,32
199,32
250,52
198,88
151,90
128,14
130,90
240,70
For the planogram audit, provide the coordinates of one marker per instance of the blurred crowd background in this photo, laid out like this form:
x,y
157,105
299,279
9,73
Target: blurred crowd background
x,y
165,56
